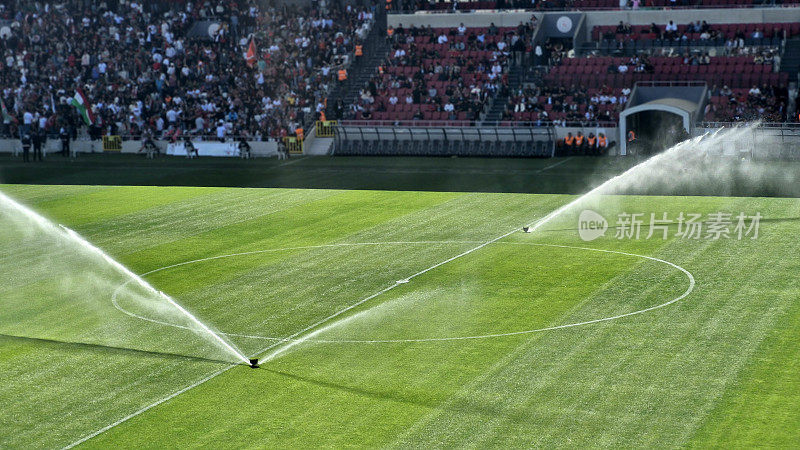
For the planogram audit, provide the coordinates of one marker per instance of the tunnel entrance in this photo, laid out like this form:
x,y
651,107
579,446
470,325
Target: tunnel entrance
x,y
653,131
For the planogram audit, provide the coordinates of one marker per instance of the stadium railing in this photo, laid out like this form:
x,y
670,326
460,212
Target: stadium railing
x,y
325,128
554,8
421,123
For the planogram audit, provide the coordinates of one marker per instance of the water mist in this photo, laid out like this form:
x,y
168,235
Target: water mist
x,y
58,286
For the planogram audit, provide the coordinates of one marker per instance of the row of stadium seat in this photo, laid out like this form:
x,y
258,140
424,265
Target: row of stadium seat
x,y
627,80
729,29
654,60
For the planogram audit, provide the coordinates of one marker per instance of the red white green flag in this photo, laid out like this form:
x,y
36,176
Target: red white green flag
x,y
84,108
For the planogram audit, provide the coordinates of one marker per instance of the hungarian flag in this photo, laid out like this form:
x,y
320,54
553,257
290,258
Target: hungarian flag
x,y
250,57
82,105
6,116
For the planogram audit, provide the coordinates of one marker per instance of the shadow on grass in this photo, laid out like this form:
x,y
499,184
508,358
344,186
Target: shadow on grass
x,y
462,405
106,350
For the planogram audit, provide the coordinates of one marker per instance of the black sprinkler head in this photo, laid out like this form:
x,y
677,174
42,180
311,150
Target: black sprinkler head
x,y
254,363
525,229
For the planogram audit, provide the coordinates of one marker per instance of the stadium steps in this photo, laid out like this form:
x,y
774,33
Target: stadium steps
x,y
790,62
500,101
376,49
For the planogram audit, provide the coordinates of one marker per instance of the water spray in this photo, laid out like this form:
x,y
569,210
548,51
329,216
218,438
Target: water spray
x,y
627,178
64,232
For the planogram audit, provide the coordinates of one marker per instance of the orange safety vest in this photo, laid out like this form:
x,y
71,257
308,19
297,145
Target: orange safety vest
x,y
568,140
299,133
390,31
631,136
342,74
359,50
322,117
578,140
602,141
591,140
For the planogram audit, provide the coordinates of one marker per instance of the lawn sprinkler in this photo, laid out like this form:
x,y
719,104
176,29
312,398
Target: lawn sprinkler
x,y
254,363
526,229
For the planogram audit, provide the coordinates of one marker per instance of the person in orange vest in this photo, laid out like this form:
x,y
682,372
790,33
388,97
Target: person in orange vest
x,y
359,50
631,136
579,143
602,144
322,117
342,74
591,144
568,143
389,32
299,133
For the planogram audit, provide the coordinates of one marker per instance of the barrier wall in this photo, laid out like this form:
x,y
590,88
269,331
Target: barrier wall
x,y
594,18
258,148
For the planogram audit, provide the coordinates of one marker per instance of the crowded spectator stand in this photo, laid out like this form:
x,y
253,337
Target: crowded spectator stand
x,y
142,66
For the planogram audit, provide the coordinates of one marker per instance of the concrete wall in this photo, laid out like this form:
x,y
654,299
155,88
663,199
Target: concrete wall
x,y
83,146
683,16
595,18
471,19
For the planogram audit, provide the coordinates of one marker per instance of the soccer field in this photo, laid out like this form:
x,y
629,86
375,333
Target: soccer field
x,y
480,335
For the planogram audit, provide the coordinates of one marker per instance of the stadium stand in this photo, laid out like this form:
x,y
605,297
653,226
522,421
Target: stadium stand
x,y
225,68
173,67
442,74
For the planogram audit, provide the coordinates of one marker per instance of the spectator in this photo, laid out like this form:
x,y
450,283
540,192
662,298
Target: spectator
x,y
141,70
671,31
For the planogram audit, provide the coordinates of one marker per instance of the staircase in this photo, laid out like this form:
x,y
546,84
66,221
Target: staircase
x,y
500,101
376,49
790,61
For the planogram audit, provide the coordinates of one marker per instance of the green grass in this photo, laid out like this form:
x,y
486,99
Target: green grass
x,y
541,176
719,368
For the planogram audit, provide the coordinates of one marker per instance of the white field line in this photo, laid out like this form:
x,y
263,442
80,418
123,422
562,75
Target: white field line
x,y
166,399
150,406
314,325
555,164
292,161
292,341
291,337
688,274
